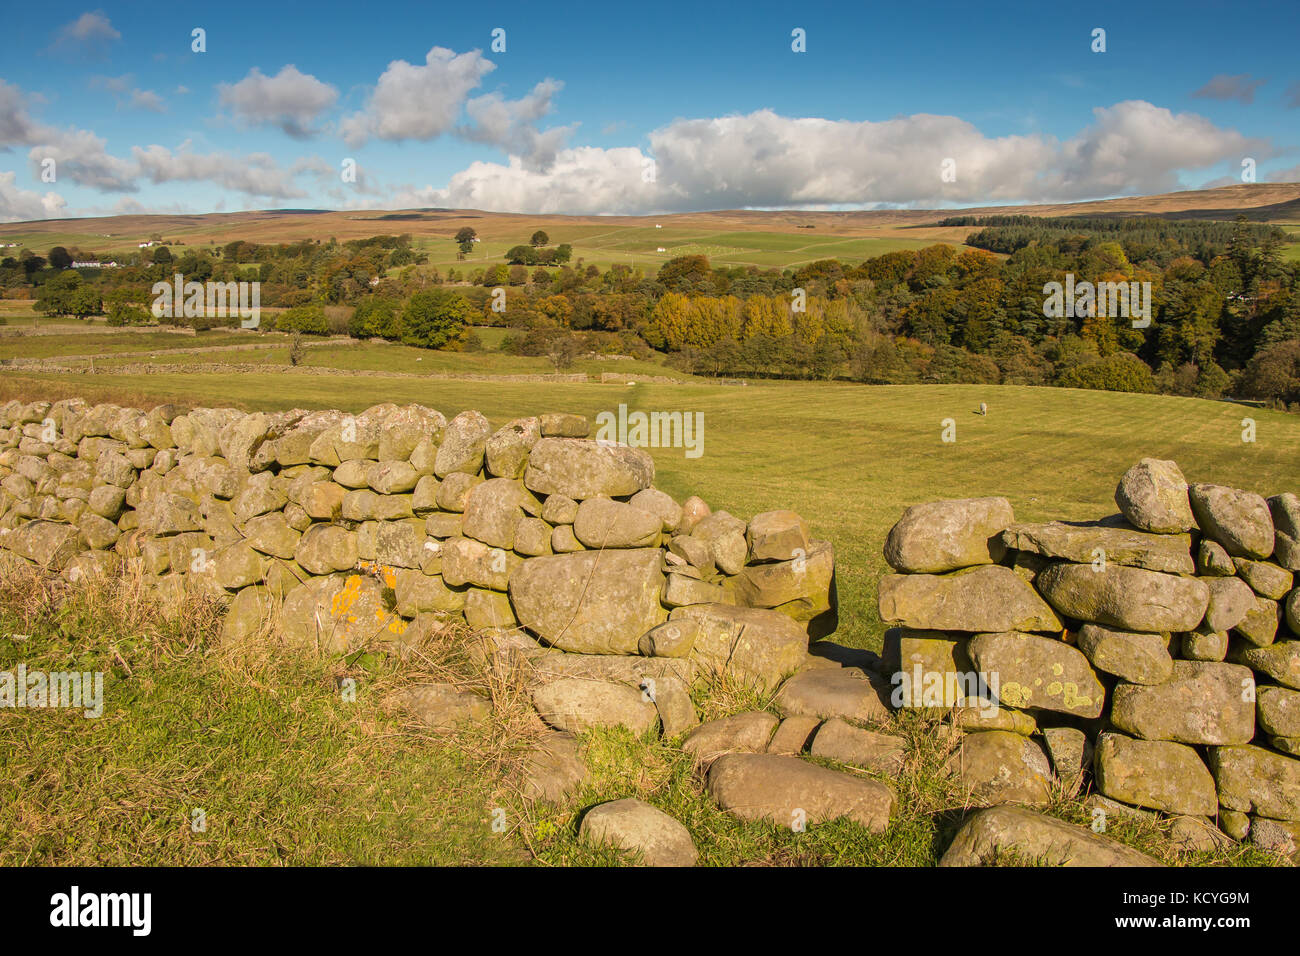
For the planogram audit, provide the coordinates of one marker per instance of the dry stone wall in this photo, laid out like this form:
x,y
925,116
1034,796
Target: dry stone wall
x,y
364,530
1154,654
1151,659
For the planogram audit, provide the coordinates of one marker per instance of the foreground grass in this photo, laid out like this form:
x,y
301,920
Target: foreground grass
x,y
285,770
280,766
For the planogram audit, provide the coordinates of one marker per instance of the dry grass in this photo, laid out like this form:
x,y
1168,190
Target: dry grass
x,y
284,768
15,388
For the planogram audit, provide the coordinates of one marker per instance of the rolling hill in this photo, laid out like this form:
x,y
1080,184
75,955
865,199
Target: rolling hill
x,y
765,238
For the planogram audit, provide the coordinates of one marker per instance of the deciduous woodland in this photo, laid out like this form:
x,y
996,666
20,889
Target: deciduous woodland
x,y
1225,305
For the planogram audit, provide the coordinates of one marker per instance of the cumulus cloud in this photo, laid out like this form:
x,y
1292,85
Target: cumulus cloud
x,y
1135,147
79,155
584,179
21,204
412,102
417,102
291,100
17,128
512,124
330,182
147,100
82,157
127,93
764,159
254,174
88,37
126,206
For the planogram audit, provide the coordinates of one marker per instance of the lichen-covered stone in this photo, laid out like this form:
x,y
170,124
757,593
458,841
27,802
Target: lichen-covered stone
x,y
1201,703
946,535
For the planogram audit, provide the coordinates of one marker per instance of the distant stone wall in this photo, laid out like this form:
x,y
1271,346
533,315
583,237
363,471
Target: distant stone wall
x,y
366,530
1155,653
631,378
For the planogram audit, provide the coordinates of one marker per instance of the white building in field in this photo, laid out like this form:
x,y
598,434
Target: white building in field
x,y
96,264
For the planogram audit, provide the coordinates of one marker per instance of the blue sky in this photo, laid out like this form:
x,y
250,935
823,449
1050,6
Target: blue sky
x,y
636,108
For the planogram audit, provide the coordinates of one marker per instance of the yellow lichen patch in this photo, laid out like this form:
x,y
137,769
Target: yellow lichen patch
x,y
1015,695
1073,698
346,597
383,572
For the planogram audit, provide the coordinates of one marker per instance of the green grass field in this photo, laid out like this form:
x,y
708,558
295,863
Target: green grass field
x,y
287,772
155,347
1291,251
78,341
639,245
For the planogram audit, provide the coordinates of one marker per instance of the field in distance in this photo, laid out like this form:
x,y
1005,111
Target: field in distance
x,y
767,239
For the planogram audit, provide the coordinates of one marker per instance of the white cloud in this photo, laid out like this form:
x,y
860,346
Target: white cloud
x,y
88,36
16,127
147,100
291,100
127,93
585,179
1134,148
330,183
80,156
511,124
765,159
254,174
417,102
20,204
126,206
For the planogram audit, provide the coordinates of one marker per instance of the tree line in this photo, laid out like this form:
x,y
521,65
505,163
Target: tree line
x,y
1225,305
